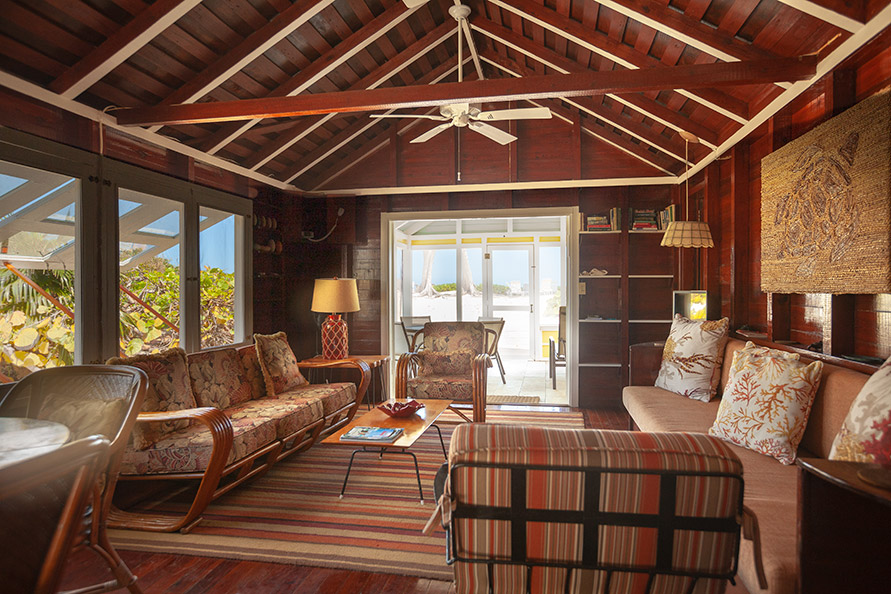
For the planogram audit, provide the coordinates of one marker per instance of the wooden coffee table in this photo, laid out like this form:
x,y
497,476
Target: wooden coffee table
x,y
412,428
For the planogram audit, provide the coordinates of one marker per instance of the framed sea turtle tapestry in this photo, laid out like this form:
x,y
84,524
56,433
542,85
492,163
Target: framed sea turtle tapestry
x,y
826,206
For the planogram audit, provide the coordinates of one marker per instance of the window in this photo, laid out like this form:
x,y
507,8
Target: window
x,y
217,280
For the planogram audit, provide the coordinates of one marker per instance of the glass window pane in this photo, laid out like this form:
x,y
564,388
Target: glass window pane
x,y
149,272
37,243
472,284
550,289
217,252
434,279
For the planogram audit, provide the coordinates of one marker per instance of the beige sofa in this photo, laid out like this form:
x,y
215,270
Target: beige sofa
x,y
771,489
208,417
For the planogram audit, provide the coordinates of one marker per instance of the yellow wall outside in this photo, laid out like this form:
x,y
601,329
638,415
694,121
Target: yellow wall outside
x,y
545,346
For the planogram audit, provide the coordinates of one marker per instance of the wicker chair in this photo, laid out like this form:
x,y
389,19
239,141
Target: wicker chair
x,y
450,362
91,400
42,504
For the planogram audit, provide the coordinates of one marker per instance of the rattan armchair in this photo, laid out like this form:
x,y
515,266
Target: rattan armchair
x,y
450,363
91,400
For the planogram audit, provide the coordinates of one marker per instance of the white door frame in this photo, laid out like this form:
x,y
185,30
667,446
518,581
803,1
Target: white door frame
x,y
571,213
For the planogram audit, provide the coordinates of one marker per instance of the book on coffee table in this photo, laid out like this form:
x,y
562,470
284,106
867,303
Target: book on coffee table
x,y
373,434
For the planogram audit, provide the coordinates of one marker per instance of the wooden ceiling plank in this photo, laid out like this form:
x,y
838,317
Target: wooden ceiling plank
x,y
120,46
560,85
376,29
619,53
392,67
823,13
561,64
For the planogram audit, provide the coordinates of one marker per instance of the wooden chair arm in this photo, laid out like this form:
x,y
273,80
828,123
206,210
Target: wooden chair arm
x,y
362,366
405,368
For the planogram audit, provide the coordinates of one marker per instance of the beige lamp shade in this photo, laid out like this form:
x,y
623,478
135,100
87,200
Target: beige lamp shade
x,y
335,295
688,234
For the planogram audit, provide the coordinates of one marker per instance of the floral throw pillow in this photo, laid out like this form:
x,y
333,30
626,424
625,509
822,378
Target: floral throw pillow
x,y
865,436
278,363
446,362
218,379
169,389
691,360
766,403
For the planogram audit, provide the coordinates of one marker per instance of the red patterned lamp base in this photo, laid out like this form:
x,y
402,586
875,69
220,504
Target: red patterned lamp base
x,y
335,341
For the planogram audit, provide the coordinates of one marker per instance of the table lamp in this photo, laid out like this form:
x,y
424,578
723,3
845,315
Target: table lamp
x,y
335,296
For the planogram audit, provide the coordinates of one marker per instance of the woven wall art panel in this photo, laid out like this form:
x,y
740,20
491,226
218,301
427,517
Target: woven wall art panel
x,y
826,206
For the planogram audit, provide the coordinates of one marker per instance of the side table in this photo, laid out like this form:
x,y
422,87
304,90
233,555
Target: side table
x,y
378,365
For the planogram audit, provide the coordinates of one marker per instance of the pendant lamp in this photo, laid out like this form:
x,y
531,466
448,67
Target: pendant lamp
x,y
688,234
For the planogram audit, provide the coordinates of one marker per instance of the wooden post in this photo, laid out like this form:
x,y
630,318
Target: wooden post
x,y
739,229
711,258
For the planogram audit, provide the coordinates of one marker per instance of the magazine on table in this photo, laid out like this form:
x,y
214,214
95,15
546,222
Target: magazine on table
x,y
375,434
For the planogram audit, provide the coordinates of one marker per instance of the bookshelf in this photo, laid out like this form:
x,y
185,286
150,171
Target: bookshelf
x,y
629,304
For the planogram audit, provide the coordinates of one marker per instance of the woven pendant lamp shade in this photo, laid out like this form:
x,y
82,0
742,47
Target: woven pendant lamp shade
x,y
688,234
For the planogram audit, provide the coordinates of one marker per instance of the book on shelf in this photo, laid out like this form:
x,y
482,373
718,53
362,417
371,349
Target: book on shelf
x,y
615,218
667,215
644,218
372,434
598,223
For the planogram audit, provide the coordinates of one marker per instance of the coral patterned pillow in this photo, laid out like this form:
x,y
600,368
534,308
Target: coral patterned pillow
x,y
218,378
278,363
766,403
865,436
446,362
691,360
169,389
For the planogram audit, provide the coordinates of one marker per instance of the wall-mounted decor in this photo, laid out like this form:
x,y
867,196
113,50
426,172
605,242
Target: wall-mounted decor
x,y
826,206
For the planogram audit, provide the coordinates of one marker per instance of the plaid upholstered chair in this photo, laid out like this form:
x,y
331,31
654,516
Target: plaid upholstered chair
x,y
451,365
534,509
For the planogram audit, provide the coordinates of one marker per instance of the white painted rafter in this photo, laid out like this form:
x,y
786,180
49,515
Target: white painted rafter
x,y
824,14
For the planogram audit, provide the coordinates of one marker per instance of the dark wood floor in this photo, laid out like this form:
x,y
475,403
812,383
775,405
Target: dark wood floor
x,y
179,574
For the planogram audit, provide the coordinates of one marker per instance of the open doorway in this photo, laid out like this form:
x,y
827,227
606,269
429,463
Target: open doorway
x,y
506,265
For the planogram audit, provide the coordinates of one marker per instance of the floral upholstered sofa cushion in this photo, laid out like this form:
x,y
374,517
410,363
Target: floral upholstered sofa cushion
x,y
691,360
250,365
218,378
445,362
278,363
169,389
865,435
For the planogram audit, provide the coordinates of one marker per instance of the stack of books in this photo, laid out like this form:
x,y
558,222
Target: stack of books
x,y
598,223
667,215
643,219
615,218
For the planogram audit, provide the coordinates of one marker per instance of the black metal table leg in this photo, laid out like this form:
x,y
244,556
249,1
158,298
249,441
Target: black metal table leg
x,y
381,453
349,468
441,442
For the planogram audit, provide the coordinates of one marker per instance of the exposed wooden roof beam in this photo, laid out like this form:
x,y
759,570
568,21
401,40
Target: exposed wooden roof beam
x,y
317,70
562,64
818,11
120,46
537,87
622,55
390,68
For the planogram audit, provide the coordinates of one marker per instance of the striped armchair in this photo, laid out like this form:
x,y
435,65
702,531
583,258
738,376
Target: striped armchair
x,y
450,361
533,509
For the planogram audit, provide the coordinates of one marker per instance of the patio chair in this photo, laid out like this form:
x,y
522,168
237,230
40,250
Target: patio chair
x,y
410,325
42,503
90,400
497,326
450,363
540,510
557,351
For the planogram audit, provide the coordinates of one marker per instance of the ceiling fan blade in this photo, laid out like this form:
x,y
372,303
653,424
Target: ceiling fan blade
x,y
436,118
526,113
491,132
432,132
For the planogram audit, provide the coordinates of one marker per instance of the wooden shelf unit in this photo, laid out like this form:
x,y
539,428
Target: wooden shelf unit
x,y
633,299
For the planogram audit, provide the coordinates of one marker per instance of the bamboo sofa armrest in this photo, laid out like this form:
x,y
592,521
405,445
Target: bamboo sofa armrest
x,y
406,367
644,361
362,366
214,419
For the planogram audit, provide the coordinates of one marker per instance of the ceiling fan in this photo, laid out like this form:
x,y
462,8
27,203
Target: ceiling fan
x,y
467,115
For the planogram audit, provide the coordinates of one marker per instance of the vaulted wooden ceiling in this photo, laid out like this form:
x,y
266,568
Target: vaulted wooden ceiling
x,y
202,75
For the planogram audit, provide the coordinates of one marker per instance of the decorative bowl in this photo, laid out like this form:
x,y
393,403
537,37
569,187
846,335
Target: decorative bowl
x,y
396,408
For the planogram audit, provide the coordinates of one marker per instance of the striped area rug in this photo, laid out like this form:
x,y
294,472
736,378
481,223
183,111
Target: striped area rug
x,y
294,513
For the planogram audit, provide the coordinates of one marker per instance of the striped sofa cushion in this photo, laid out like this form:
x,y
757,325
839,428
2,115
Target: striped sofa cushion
x,y
607,505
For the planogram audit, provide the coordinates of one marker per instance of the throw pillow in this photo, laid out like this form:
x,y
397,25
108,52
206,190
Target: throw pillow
x,y
169,389
446,362
252,372
754,349
865,436
691,360
766,404
218,379
278,363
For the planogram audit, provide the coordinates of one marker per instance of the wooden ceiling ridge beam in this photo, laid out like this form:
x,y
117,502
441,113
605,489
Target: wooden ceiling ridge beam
x,y
642,104
383,73
361,125
603,45
118,47
671,147
317,69
536,87
820,11
693,33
